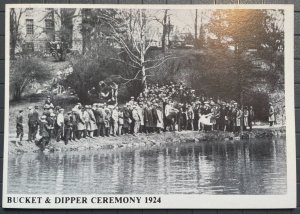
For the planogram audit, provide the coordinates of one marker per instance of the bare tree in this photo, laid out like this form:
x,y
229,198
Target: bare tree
x,y
15,16
142,34
196,25
166,28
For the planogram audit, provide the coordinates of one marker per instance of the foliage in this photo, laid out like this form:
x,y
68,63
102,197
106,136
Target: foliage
x,y
24,71
90,68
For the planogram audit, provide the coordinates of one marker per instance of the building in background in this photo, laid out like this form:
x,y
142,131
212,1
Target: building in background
x,y
39,26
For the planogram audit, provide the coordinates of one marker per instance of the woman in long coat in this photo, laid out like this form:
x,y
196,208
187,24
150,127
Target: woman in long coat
x,y
154,117
92,122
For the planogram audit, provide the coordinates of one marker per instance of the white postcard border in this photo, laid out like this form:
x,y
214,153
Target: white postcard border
x,y
182,201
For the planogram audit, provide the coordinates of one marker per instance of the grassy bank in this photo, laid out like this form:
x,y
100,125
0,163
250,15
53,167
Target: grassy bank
x,y
128,141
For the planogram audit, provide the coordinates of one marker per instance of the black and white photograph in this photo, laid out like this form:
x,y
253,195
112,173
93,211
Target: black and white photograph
x,y
149,106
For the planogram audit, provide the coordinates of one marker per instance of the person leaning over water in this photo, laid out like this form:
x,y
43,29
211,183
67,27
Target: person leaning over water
x,y
44,132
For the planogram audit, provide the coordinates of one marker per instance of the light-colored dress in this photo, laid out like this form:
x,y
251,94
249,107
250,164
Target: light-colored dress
x,y
80,124
271,114
92,123
160,121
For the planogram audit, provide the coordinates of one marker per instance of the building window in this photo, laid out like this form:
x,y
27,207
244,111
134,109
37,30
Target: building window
x,y
29,26
49,25
29,11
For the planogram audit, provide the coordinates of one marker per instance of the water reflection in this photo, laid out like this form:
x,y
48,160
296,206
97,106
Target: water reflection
x,y
240,167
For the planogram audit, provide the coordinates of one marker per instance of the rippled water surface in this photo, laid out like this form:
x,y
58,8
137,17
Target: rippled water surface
x,y
240,167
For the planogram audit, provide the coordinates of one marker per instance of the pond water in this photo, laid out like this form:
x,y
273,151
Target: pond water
x,y
231,167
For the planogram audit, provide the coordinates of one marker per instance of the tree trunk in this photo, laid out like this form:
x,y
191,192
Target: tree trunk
x,y
196,27
13,34
144,83
143,50
17,94
169,31
164,34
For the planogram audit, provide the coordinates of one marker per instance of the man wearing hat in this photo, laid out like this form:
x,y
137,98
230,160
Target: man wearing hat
x,y
48,101
46,110
131,102
19,126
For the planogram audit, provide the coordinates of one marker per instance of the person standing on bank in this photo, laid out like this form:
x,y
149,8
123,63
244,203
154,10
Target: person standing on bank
x,y
136,120
114,120
271,114
68,127
246,116
36,120
74,125
80,122
19,126
31,124
239,119
250,118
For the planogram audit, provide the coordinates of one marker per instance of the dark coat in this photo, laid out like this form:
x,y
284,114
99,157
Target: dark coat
x,y
68,121
31,121
127,117
154,117
251,115
148,117
44,129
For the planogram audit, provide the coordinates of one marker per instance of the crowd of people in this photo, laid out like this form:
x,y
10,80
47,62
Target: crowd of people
x,y
172,107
